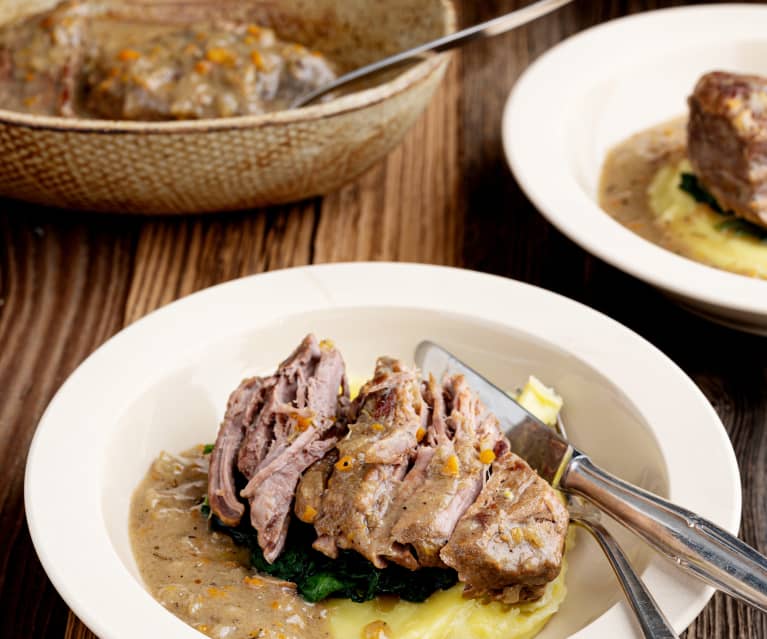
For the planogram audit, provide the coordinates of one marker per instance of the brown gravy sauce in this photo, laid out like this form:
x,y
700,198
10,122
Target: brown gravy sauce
x,y
628,171
201,576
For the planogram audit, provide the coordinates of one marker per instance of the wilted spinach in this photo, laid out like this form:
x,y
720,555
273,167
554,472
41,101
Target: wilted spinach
x,y
350,576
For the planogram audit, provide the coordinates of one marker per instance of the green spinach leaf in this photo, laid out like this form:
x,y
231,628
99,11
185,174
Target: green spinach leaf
x,y
350,576
730,223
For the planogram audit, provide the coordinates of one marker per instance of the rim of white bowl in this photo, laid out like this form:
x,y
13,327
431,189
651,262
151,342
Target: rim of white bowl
x,y
78,555
534,140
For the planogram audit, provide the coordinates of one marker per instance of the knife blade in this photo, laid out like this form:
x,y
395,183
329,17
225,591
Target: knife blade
x,y
540,446
694,544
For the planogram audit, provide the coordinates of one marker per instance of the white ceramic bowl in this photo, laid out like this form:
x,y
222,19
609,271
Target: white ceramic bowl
x,y
163,382
599,87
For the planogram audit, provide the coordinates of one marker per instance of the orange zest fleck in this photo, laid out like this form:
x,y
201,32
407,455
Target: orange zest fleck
x,y
345,463
419,435
302,422
309,514
219,55
252,581
487,456
258,62
451,466
202,67
128,55
254,30
377,427
216,592
275,604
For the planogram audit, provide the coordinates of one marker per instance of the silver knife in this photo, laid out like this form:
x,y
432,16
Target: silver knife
x,y
696,545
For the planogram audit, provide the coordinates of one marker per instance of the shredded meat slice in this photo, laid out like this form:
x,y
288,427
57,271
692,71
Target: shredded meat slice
x,y
455,474
245,401
372,466
275,428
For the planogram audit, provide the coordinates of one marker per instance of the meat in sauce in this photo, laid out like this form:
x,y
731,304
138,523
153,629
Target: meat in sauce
x,y
90,60
413,475
401,484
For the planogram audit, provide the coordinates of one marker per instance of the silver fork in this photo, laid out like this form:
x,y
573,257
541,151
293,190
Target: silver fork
x,y
652,621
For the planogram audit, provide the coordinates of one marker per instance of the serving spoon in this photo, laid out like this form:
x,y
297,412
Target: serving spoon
x,y
484,30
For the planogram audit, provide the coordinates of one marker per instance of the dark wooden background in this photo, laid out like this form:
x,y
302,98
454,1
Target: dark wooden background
x,y
68,281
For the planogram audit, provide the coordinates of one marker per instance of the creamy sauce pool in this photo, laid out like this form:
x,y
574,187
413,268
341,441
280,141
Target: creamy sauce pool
x,y
628,172
202,577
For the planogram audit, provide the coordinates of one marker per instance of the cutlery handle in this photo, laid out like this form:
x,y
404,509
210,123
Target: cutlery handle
x,y
488,29
652,621
695,544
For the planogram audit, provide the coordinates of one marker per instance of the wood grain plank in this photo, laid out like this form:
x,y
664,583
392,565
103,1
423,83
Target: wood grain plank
x,y
62,290
177,257
407,208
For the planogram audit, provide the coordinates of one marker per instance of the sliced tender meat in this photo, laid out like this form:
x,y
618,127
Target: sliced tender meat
x,y
312,487
509,543
406,490
305,414
391,416
455,473
245,401
727,141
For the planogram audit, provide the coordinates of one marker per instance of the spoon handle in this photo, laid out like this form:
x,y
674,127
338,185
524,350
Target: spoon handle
x,y
693,543
652,621
488,29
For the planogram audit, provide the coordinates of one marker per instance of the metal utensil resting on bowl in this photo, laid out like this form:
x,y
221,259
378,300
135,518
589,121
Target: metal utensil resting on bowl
x,y
488,29
652,622
696,545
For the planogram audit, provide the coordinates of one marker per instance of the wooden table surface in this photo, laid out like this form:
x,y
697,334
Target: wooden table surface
x,y
69,281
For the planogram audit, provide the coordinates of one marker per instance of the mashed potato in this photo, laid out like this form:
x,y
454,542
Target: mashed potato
x,y
697,229
446,614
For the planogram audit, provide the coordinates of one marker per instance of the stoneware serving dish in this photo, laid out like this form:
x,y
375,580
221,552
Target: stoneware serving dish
x,y
234,163
163,383
603,85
